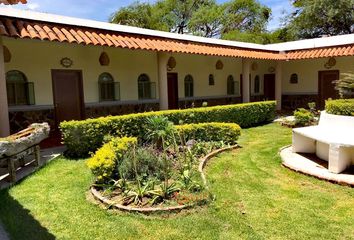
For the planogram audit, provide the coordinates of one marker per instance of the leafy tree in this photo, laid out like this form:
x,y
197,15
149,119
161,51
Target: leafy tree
x,y
199,17
207,21
164,15
138,15
245,15
315,18
181,12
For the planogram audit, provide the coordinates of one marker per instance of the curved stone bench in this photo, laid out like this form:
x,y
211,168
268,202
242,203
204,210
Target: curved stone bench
x,y
306,166
331,140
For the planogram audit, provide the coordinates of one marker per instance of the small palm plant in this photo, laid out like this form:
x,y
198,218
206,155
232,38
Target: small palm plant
x,y
158,130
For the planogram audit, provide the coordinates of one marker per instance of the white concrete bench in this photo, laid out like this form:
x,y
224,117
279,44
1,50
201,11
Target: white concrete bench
x,y
332,140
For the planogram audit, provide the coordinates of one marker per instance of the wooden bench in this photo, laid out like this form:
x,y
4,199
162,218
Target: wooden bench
x,y
20,157
331,140
16,147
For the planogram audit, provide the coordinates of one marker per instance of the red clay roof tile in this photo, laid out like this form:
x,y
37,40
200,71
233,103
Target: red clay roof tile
x,y
3,29
6,2
58,32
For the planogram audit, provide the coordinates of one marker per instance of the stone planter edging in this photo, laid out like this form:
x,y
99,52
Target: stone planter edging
x,y
203,161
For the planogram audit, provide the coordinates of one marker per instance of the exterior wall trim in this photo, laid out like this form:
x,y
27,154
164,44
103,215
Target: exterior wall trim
x,y
117,103
26,108
207,97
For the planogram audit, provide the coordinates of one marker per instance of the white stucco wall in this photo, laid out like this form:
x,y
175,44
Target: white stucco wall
x,y
200,67
263,67
36,59
307,71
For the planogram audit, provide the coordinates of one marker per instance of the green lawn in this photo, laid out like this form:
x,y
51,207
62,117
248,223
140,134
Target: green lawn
x,y
256,198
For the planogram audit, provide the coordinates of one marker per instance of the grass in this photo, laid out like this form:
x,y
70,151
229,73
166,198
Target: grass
x,y
256,198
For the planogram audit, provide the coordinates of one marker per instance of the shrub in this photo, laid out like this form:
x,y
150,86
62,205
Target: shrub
x,y
148,164
340,107
104,162
82,137
345,85
303,117
207,132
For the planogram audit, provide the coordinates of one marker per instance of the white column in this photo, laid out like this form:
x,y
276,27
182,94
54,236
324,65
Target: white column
x,y
246,68
4,111
278,80
162,59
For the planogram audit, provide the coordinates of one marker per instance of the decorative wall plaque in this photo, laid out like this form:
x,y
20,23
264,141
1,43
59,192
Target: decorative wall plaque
x,y
7,54
66,62
171,63
330,63
219,65
271,69
104,59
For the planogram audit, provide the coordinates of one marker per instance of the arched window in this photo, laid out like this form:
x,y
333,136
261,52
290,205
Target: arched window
x,y
211,80
294,78
145,87
108,89
19,90
230,85
188,86
257,84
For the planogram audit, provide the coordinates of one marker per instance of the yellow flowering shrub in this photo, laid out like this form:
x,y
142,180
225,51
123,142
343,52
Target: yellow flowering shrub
x,y
103,163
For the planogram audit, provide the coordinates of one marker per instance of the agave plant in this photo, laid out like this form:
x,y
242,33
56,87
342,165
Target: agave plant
x,y
165,191
137,194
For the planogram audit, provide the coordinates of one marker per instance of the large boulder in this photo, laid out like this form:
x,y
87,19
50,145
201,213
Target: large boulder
x,y
16,143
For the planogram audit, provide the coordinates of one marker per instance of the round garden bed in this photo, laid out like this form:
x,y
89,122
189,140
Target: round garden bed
x,y
180,202
161,170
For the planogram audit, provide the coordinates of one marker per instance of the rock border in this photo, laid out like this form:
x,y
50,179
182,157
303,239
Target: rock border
x,y
298,163
203,161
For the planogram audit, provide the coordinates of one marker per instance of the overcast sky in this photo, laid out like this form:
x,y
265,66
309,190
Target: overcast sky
x,y
101,9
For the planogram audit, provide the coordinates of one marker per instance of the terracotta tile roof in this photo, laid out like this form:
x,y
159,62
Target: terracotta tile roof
x,y
33,29
337,51
13,1
88,36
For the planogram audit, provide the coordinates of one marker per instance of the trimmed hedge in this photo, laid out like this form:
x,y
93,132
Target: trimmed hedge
x,y
83,137
104,162
227,132
340,107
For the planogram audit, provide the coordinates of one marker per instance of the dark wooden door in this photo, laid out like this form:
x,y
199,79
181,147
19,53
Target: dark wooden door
x,y
67,95
172,85
241,87
269,86
326,87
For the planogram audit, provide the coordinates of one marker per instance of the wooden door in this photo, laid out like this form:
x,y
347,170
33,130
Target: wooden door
x,y
269,86
326,87
241,88
172,85
67,95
